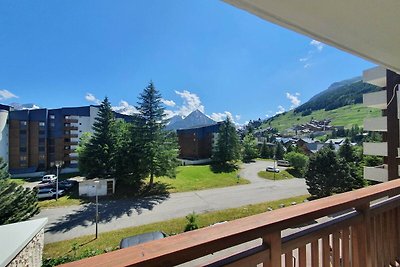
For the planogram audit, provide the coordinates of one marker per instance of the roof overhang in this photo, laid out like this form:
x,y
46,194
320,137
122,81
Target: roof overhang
x,y
369,29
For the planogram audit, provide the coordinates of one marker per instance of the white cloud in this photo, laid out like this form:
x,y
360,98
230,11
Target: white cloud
x,y
125,108
304,59
220,116
91,98
306,66
237,117
5,94
294,99
191,102
281,109
168,103
317,45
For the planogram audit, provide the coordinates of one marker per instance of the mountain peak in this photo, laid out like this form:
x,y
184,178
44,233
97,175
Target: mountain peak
x,y
195,119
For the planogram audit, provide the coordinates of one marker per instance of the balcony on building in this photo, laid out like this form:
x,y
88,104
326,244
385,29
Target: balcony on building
x,y
358,228
377,173
375,149
375,99
377,124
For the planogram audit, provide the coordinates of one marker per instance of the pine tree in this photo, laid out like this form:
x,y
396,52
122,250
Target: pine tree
x,y
264,151
279,151
346,151
227,148
328,174
158,147
16,203
97,156
249,147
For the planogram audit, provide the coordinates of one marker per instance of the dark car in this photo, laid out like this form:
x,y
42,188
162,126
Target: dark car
x,y
65,185
140,239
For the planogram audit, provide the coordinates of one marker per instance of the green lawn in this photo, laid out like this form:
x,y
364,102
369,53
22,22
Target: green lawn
x,y
18,181
190,178
69,199
110,240
282,175
346,116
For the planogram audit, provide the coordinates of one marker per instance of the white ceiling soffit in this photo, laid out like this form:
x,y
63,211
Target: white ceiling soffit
x,y
366,28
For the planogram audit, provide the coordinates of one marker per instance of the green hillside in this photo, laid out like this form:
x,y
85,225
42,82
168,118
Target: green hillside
x,y
346,116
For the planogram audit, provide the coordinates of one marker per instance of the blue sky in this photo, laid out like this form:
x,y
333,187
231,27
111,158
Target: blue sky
x,y
201,54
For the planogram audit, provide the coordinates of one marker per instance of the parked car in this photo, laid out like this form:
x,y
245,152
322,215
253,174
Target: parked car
x,y
272,169
65,185
49,178
49,193
140,239
283,163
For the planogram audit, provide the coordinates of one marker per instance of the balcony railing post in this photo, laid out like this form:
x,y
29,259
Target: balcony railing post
x,y
274,242
360,239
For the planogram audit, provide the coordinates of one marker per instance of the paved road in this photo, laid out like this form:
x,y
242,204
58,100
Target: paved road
x,y
69,222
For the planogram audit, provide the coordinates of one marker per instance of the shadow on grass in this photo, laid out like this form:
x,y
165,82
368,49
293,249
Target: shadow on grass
x,y
227,167
294,172
127,202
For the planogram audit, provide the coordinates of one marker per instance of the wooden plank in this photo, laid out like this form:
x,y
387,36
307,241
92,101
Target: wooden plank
x,y
314,254
303,256
273,241
346,247
379,240
336,249
373,242
289,259
326,251
385,235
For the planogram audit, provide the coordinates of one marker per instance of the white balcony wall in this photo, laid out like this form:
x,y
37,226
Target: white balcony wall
x,y
375,99
375,76
376,174
375,149
378,124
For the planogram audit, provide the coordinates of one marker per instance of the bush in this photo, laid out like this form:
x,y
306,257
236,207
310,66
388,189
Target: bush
x,y
192,222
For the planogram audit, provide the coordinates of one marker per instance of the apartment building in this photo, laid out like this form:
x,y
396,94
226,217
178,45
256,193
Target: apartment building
x,y
197,143
34,140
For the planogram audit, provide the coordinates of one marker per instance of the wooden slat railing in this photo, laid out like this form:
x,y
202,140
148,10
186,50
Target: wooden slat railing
x,y
368,235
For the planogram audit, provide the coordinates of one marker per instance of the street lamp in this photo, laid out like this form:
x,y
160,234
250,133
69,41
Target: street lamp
x,y
96,183
58,165
274,166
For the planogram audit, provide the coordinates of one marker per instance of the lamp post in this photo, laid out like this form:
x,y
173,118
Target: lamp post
x,y
58,165
274,166
97,208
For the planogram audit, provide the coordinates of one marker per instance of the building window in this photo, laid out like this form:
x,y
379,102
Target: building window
x,y
52,117
22,131
67,132
22,149
52,149
52,124
67,147
42,132
41,140
67,140
67,124
41,149
66,117
42,124
23,123
42,157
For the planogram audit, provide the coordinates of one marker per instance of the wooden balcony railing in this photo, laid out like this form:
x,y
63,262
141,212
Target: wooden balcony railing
x,y
364,234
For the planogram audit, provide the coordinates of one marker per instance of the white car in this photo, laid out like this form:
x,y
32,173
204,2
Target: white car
x,y
49,193
49,178
272,169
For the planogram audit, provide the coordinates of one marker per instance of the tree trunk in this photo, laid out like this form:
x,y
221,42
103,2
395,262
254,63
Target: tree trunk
x,y
151,180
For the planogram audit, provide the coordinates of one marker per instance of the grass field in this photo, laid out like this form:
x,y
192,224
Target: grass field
x,y
190,178
282,175
69,199
110,240
346,116
18,181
